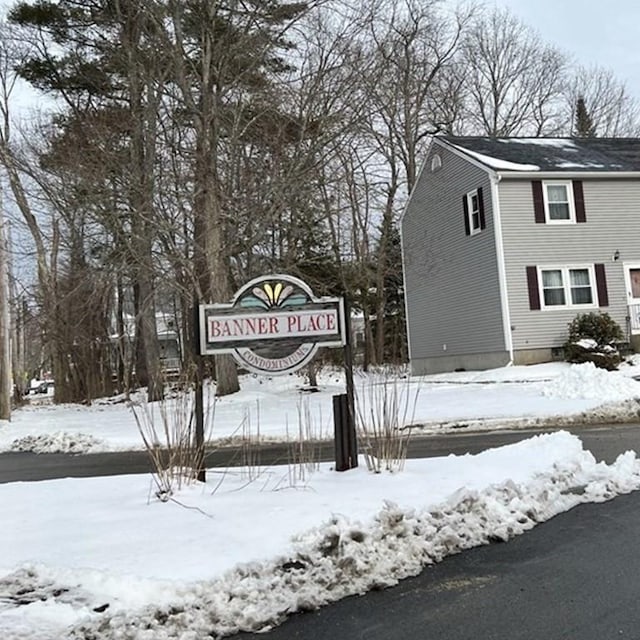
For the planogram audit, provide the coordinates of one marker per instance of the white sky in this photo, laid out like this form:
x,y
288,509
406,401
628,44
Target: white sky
x,y
255,542
594,32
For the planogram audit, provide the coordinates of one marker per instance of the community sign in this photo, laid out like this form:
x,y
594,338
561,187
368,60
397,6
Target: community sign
x,y
274,325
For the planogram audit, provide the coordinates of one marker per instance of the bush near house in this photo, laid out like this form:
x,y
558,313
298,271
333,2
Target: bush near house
x,y
593,338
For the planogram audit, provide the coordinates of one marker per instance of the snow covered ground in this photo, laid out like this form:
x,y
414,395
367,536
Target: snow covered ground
x,y
104,558
555,393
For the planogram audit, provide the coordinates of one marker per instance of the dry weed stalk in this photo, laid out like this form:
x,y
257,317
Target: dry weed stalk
x,y
384,412
250,448
304,451
167,429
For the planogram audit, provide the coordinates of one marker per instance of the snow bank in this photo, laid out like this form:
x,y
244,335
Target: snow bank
x,y
264,550
586,381
57,442
343,558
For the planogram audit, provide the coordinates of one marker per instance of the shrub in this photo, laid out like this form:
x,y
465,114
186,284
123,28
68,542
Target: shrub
x,y
592,338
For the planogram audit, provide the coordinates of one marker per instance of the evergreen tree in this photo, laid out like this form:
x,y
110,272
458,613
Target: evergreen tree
x,y
395,325
202,70
584,126
392,322
98,58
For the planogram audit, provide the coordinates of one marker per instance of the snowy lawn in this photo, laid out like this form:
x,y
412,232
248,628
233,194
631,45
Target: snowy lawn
x,y
103,558
554,393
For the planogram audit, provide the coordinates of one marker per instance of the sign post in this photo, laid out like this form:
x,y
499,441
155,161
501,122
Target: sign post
x,y
346,433
201,473
274,326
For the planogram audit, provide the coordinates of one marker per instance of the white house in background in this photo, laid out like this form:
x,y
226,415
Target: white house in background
x,y
506,240
168,340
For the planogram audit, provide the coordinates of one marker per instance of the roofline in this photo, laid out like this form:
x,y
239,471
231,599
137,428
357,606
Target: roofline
x,y
449,146
506,173
417,182
557,175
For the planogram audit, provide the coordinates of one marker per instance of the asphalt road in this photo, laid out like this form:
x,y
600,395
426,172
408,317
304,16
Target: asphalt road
x,y
605,441
576,577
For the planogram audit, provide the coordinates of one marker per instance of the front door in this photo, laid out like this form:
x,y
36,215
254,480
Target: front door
x,y
632,281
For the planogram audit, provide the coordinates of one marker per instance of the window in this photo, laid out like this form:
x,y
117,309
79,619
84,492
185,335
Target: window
x,y
474,211
558,201
436,162
473,205
634,281
567,286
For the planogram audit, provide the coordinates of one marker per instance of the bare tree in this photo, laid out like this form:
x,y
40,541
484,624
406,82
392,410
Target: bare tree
x,y
12,52
613,110
413,46
414,43
513,79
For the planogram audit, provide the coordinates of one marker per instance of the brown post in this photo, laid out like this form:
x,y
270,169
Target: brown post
x,y
344,415
199,399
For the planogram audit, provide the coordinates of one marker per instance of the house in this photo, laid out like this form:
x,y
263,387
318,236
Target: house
x,y
169,344
506,240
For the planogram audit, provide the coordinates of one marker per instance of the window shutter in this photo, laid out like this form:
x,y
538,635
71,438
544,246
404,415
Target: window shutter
x,y
483,223
538,201
601,286
578,200
532,285
465,209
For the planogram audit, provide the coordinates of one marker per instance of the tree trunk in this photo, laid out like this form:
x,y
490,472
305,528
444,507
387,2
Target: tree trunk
x,y
5,325
19,351
143,99
123,353
209,222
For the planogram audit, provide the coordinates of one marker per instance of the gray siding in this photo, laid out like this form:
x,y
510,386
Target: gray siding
x,y
451,279
613,223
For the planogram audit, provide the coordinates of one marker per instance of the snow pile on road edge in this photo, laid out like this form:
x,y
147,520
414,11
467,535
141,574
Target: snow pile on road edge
x,y
58,442
342,558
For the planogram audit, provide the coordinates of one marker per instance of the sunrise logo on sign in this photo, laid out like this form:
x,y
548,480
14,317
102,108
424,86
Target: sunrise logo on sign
x,y
274,325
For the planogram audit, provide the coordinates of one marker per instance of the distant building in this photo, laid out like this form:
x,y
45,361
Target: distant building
x,y
168,340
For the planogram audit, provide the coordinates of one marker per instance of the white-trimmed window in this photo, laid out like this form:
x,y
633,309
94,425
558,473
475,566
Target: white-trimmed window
x,y
436,162
474,220
559,207
566,286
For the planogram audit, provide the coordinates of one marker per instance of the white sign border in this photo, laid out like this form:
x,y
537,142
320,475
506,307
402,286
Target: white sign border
x,y
236,352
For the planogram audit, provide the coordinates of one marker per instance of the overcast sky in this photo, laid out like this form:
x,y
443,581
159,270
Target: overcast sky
x,y
605,32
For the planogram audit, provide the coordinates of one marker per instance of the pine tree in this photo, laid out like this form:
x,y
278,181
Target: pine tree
x,y
202,70
103,63
395,329
584,126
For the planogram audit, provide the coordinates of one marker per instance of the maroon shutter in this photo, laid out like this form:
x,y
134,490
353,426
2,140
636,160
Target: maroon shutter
x,y
578,200
532,285
483,223
465,209
601,286
538,201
